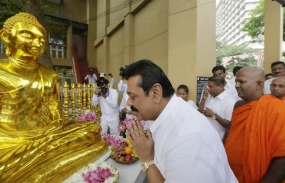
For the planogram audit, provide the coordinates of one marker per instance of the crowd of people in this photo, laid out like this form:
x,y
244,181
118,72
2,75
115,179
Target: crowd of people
x,y
235,133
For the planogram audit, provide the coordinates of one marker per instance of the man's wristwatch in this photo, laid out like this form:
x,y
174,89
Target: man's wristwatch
x,y
146,165
214,116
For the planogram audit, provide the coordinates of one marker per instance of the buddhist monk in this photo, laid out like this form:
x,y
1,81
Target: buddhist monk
x,y
36,145
277,88
255,144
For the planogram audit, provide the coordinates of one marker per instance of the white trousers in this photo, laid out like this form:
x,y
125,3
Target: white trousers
x,y
112,125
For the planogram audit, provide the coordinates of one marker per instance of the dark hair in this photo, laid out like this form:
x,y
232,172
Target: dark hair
x,y
217,80
269,74
218,67
184,87
150,74
102,81
236,68
277,63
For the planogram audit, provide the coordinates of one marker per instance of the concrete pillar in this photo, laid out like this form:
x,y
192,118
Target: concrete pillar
x,y
69,43
191,41
273,33
106,60
128,39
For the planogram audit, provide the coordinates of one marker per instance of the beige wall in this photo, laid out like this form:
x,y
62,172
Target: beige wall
x,y
64,10
179,36
151,33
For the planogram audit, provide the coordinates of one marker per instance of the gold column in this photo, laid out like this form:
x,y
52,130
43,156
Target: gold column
x,y
79,99
73,104
65,101
84,97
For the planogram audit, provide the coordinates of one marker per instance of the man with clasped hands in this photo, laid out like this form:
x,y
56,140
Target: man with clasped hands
x,y
181,145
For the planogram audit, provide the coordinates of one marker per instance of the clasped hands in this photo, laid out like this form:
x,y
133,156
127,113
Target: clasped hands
x,y
142,143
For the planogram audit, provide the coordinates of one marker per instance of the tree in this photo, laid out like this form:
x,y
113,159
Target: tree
x,y
240,56
246,61
223,50
37,8
254,26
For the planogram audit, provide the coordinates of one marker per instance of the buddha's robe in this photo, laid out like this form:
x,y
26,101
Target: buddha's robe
x,y
256,136
35,144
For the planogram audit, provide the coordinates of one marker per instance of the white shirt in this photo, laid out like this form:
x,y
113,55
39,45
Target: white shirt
x,y
230,89
223,106
124,105
122,87
192,104
112,83
91,79
187,148
232,80
267,83
109,105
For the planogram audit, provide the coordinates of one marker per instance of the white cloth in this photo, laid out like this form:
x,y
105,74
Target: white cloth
x,y
112,125
109,108
91,79
266,88
123,105
122,87
112,83
232,80
223,106
187,148
192,104
232,91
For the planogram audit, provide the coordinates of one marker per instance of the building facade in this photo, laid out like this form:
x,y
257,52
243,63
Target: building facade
x,y
231,15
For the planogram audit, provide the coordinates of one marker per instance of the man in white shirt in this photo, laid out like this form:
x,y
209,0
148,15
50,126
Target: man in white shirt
x,y
218,106
277,70
124,108
181,145
108,99
91,77
112,80
122,87
220,70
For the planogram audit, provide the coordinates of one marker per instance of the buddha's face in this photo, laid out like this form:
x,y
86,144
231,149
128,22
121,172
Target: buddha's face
x,y
28,40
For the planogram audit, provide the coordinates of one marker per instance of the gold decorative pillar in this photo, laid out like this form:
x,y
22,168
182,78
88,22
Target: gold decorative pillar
x,y
65,101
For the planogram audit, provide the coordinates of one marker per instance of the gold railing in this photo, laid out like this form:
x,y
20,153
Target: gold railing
x,y
76,100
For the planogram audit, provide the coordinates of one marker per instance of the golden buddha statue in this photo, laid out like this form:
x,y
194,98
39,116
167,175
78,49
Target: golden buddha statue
x,y
36,145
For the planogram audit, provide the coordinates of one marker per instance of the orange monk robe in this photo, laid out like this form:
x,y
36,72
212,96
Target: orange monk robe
x,y
283,99
257,135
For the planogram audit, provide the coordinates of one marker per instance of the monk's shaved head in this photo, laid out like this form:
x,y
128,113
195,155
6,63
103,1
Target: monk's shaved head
x,y
249,83
277,87
254,73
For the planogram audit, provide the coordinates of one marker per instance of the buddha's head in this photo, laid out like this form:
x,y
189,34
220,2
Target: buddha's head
x,y
23,36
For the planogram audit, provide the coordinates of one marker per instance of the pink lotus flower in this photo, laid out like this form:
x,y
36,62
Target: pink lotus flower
x,y
127,122
97,176
89,116
112,140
